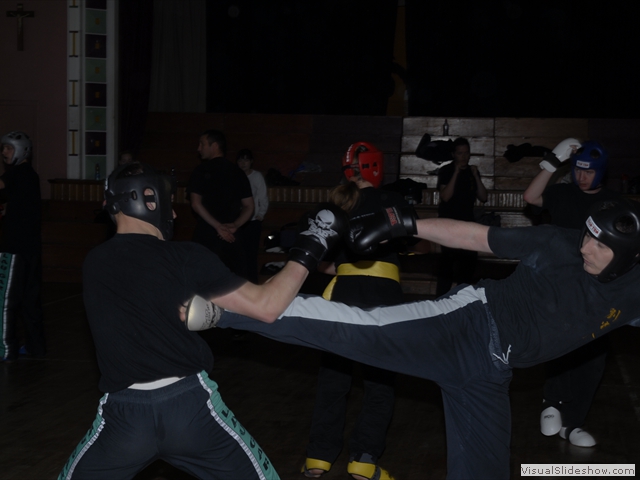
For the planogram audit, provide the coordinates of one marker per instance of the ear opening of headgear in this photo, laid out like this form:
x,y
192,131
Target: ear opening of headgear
x,y
126,191
590,156
365,159
616,224
21,144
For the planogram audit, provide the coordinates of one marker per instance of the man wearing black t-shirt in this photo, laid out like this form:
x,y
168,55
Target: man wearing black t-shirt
x,y
572,380
21,247
220,194
460,186
159,401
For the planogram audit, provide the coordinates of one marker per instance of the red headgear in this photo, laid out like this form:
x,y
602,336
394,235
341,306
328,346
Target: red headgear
x,y
366,158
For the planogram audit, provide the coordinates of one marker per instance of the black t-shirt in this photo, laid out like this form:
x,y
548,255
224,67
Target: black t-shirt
x,y
222,186
133,287
569,206
550,305
372,200
21,226
368,291
460,205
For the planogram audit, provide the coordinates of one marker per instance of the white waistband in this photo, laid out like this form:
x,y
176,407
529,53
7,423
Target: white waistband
x,y
163,382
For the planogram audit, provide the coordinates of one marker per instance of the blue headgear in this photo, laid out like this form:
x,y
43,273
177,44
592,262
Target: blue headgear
x,y
616,223
124,192
590,156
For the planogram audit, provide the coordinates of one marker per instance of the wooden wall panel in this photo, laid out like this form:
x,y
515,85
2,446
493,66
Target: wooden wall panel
x,y
479,145
542,127
511,183
501,143
412,165
432,180
620,137
526,167
458,127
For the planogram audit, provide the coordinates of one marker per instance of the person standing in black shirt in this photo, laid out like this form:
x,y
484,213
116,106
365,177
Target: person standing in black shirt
x,y
220,194
572,380
21,247
363,280
460,185
159,401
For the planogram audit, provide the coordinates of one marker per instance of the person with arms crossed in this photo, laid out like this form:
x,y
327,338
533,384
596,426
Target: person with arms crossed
x,y
460,186
220,195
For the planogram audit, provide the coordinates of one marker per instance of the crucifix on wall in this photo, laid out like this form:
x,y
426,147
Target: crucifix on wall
x,y
20,13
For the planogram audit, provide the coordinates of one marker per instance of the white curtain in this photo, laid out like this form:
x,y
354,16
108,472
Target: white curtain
x,y
179,68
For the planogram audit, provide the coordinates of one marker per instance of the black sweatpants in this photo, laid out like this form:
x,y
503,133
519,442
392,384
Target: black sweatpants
x,y
20,288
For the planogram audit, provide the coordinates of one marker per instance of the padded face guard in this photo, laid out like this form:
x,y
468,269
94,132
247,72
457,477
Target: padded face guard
x,y
604,224
590,156
21,144
367,159
124,192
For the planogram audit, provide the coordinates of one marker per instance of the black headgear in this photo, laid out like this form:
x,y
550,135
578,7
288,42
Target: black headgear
x,y
616,224
124,192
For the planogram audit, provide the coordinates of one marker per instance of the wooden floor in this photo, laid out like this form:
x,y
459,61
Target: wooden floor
x,y
47,405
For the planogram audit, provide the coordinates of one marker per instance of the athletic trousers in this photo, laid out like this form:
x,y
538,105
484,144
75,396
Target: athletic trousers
x,y
573,379
453,341
336,375
20,287
185,424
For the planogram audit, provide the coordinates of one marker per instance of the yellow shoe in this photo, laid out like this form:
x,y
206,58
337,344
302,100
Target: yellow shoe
x,y
367,471
320,466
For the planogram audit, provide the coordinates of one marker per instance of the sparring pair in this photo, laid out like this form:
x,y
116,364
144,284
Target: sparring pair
x,y
469,340
159,401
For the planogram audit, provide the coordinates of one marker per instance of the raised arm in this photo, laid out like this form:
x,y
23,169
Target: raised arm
x,y
533,194
549,164
481,191
446,191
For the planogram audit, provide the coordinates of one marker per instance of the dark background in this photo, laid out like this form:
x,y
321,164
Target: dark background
x,y
496,58
464,58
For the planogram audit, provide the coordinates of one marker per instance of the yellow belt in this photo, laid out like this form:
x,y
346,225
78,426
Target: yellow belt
x,y
367,268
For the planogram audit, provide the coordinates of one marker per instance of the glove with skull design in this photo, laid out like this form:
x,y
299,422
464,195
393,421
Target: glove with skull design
x,y
323,231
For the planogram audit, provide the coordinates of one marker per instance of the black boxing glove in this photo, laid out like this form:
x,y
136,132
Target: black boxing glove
x,y
367,231
323,230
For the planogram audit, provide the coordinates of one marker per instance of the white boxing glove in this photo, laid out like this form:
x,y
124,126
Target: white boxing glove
x,y
559,154
202,314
